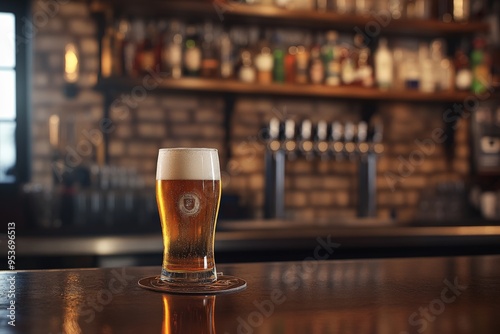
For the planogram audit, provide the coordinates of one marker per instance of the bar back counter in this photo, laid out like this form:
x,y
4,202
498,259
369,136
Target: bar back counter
x,y
417,295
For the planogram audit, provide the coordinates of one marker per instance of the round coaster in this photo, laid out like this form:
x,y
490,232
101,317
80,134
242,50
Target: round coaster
x,y
224,284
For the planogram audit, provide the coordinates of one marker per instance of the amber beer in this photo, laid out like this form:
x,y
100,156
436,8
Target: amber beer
x,y
188,191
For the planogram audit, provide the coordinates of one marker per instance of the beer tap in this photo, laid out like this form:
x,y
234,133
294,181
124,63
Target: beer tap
x,y
290,145
321,144
337,146
363,146
377,146
306,144
274,143
368,172
349,146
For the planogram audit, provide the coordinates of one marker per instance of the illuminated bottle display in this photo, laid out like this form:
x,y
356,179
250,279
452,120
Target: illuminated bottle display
x,y
280,55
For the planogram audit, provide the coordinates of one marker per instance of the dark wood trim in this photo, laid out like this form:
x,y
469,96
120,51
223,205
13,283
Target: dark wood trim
x,y
197,85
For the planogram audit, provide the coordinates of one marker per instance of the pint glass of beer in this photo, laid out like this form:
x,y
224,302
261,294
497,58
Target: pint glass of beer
x,y
188,191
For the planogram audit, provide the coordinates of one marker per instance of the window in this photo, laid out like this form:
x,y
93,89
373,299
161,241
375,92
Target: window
x,y
7,98
14,94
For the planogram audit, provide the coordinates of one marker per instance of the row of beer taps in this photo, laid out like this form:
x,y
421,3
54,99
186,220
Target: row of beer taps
x,y
336,140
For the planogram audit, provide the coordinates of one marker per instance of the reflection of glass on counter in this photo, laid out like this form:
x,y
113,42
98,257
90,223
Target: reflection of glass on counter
x,y
188,314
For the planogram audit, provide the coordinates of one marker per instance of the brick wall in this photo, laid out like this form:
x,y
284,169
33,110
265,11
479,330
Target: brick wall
x,y
315,191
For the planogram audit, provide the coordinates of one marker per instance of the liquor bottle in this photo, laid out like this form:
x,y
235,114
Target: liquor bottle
x,y
461,10
246,70
210,60
140,37
264,64
302,61
345,6
384,67
172,50
279,63
411,72
364,70
118,66
427,81
226,57
148,59
481,77
291,64
316,68
347,67
158,44
331,59
129,47
192,52
463,76
445,10
106,53
437,56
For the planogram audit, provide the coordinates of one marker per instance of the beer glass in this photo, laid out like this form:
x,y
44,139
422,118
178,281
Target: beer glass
x,y
188,191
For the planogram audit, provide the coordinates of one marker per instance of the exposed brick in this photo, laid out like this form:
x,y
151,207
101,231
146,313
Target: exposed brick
x,y
241,131
87,80
82,27
142,150
256,181
89,47
178,115
40,80
88,96
296,199
413,181
50,43
299,167
73,8
320,198
207,115
305,215
150,114
151,130
48,96
335,182
303,182
412,198
116,148
342,198
122,131
180,102
211,132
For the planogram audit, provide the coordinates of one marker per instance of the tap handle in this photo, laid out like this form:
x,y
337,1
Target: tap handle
x,y
321,131
337,131
306,129
274,128
289,129
349,131
362,132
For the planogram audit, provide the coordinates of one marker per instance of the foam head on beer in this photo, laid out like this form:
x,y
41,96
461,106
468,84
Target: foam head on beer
x,y
188,164
188,191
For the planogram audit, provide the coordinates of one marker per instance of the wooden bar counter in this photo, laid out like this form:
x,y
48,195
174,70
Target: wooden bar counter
x,y
417,295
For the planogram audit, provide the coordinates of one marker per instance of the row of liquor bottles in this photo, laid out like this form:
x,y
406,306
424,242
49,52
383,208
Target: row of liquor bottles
x,y
444,10
252,54
325,140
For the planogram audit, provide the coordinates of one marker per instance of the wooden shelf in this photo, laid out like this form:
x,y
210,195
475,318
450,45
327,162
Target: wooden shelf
x,y
281,90
270,15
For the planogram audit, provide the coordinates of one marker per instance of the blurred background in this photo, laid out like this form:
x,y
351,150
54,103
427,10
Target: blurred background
x,y
373,123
